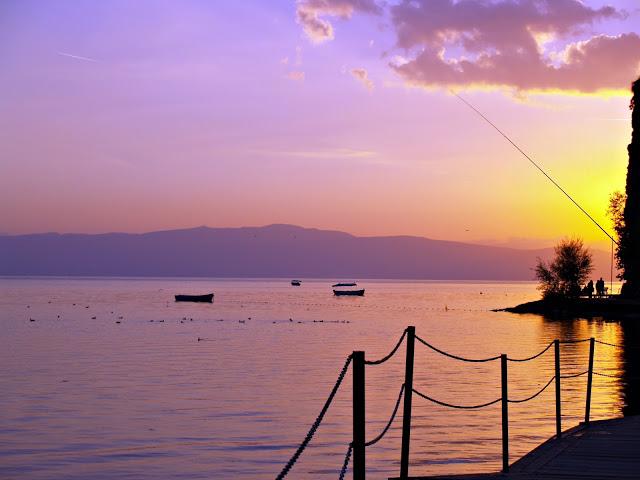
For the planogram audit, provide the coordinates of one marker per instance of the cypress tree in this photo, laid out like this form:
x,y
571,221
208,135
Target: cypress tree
x,y
629,248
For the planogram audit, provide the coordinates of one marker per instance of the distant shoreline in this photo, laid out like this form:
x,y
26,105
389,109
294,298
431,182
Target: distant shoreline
x,y
275,251
587,307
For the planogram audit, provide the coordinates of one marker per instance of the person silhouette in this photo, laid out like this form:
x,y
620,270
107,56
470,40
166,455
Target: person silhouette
x,y
589,288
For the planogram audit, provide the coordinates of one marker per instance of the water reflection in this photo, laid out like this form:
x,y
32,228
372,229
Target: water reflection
x,y
630,367
84,396
617,366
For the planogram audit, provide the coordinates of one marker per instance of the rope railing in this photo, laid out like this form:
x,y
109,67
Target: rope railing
x,y
386,428
574,375
456,357
621,376
450,405
535,394
579,340
617,345
532,357
356,448
347,457
388,356
606,375
316,424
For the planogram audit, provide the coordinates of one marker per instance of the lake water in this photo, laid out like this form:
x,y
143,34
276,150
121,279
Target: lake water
x,y
86,397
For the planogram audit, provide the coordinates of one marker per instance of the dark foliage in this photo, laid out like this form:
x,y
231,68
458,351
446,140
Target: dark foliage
x,y
617,201
569,269
629,249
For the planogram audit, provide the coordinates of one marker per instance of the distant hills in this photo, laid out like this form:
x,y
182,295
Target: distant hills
x,y
271,251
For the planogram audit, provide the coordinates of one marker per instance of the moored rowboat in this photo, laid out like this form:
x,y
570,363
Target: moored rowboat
x,y
358,293
208,298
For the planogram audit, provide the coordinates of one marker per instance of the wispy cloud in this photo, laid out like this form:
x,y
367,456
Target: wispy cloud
x,y
77,57
296,76
362,76
331,153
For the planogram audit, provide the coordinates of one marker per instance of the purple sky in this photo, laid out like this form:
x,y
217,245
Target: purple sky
x,y
135,116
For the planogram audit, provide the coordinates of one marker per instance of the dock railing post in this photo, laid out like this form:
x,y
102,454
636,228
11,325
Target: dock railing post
x,y
587,409
358,417
406,411
505,413
556,347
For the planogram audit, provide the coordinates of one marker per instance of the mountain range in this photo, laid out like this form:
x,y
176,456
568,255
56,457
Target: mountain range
x,y
284,251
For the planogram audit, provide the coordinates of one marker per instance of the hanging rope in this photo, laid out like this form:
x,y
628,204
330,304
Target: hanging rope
x,y
581,340
617,345
393,416
463,407
316,424
575,374
347,457
456,357
530,358
384,359
535,394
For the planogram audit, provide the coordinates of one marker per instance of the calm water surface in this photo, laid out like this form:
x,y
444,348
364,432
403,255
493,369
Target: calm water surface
x,y
86,397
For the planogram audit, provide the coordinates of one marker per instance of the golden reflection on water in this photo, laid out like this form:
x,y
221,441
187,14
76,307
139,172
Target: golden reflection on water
x,y
89,397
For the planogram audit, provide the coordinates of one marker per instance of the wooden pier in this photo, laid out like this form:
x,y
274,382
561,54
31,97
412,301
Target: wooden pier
x,y
606,449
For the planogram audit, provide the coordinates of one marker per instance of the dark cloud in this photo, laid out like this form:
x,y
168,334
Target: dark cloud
x,y
461,43
522,44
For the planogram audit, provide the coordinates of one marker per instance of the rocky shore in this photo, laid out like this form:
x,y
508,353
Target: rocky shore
x,y
608,307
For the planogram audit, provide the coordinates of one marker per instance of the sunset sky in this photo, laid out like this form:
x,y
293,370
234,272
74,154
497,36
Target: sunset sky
x,y
149,115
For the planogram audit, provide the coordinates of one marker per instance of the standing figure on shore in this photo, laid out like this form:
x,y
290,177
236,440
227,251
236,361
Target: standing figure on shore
x,y
629,248
589,288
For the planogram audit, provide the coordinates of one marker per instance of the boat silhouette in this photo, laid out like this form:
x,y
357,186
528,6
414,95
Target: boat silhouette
x,y
355,293
208,298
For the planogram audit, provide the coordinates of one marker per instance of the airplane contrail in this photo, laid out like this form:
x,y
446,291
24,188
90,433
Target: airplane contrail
x,y
77,57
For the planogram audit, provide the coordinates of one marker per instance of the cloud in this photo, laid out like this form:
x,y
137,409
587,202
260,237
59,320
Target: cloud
x,y
77,57
513,43
296,76
362,76
330,153
310,13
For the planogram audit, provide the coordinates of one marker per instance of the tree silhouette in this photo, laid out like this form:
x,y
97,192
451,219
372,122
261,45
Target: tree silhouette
x,y
570,268
629,243
617,201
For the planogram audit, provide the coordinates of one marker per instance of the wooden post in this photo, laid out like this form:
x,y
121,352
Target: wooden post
x,y
406,411
358,417
587,409
556,345
505,413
